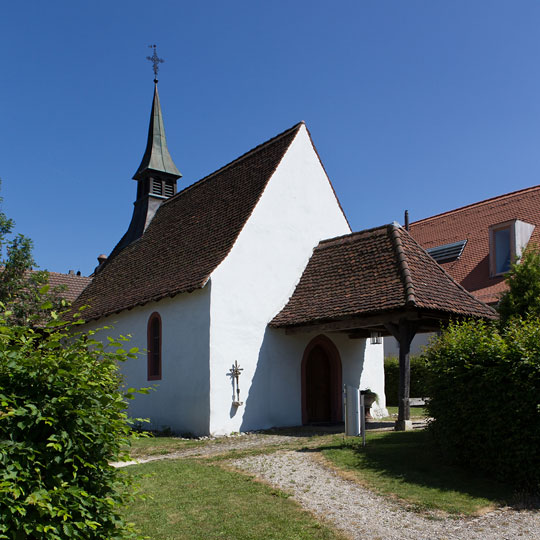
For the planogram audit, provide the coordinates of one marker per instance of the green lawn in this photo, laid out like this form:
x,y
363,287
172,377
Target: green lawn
x,y
201,501
416,413
407,465
152,446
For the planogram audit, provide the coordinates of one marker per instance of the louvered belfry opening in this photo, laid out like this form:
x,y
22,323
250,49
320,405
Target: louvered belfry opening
x,y
157,187
162,187
169,188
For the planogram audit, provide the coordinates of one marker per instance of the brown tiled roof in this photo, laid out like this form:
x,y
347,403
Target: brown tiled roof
x,y
72,284
189,236
472,223
373,272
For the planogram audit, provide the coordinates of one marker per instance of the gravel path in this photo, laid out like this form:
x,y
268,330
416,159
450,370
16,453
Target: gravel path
x,y
251,440
362,514
221,445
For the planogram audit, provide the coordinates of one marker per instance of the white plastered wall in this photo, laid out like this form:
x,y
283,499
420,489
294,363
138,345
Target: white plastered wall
x,y
180,400
274,393
297,209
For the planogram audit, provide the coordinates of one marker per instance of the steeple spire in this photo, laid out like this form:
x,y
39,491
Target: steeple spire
x,y
156,159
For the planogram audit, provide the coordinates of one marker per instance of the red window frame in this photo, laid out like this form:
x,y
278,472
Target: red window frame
x,y
154,347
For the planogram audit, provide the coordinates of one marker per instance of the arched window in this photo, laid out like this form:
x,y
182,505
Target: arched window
x,y
154,347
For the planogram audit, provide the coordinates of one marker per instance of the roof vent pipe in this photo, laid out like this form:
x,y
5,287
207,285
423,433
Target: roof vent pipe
x,y
102,258
406,220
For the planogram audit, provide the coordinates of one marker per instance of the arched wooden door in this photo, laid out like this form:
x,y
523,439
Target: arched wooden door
x,y
321,382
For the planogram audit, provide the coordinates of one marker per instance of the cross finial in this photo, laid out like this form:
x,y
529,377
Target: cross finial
x,y
156,61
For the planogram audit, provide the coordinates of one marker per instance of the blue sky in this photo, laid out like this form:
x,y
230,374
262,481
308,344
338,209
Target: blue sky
x,y
426,105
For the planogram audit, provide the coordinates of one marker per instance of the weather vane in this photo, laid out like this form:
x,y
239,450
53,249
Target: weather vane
x,y
156,61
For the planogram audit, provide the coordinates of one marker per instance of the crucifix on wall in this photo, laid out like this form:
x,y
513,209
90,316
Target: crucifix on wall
x,y
235,373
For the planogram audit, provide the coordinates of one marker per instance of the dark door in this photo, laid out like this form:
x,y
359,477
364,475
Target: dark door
x,y
318,389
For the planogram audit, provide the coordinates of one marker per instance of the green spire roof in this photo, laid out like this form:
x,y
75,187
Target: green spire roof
x,y
156,156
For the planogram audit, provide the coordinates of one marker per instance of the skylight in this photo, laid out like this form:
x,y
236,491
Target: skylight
x,y
447,252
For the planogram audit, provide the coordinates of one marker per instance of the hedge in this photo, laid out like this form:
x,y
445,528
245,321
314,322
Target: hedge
x,y
419,374
484,390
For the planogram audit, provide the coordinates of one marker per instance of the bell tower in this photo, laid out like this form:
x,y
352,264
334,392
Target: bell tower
x,y
157,174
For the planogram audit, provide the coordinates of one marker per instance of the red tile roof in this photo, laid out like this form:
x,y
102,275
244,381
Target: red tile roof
x,y
373,272
74,284
472,223
66,286
70,285
189,236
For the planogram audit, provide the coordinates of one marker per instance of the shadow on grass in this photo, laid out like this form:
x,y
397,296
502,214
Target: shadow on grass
x,y
323,428
413,458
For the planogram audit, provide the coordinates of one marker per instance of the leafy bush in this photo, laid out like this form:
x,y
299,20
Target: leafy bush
x,y
522,298
485,392
419,374
62,421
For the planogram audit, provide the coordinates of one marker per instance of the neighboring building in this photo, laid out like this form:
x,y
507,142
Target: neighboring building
x,y
68,286
475,244
71,284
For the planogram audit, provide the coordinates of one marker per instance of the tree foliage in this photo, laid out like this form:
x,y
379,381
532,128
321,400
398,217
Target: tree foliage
x,y
20,285
522,297
62,421
485,395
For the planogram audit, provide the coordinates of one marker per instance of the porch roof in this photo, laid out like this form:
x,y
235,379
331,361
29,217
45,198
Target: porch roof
x,y
363,281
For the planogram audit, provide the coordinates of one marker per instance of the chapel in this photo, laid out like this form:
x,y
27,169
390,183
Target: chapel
x,y
252,299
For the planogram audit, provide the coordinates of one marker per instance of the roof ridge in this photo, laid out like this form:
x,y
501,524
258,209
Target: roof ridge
x,y
327,242
62,273
235,161
478,203
403,266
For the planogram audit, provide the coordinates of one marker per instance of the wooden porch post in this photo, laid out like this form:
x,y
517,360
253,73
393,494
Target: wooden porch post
x,y
404,332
